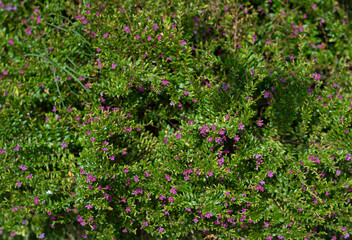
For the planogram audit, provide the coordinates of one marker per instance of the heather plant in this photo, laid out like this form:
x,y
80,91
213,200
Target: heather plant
x,y
175,120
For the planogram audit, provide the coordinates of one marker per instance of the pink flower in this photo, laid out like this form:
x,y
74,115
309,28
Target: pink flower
x,y
173,190
155,27
126,29
17,147
28,31
136,178
236,138
64,144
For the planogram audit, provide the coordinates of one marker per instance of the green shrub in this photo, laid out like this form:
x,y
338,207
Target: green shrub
x,y
175,119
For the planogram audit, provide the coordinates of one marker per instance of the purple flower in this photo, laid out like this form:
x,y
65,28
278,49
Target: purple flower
x,y
281,237
348,157
126,29
338,172
160,230
173,190
221,161
28,31
17,147
260,123
236,138
270,174
64,144
136,178
266,94
23,167
41,235
241,126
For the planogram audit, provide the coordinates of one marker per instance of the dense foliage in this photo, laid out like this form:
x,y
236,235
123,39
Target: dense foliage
x,y
175,119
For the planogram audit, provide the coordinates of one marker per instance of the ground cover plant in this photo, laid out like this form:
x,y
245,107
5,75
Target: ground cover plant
x,y
175,119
